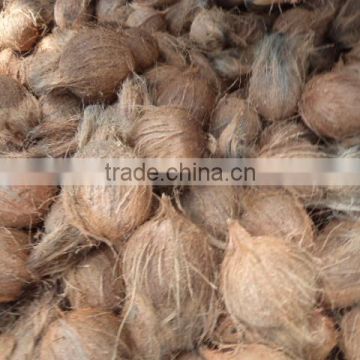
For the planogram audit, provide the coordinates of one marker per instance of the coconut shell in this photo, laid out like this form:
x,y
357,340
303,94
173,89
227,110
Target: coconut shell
x,y
146,18
59,246
345,30
113,12
68,13
22,22
14,273
337,249
88,333
165,260
143,47
20,110
95,281
350,331
276,303
105,62
235,125
278,213
329,104
108,213
210,207
278,76
167,131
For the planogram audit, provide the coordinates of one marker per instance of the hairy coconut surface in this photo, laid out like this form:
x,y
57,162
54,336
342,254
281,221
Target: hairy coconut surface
x,y
14,246
146,18
11,65
350,334
113,12
168,272
68,13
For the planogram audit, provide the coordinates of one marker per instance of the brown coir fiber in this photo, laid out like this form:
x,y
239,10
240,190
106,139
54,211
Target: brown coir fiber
x,y
235,125
68,13
114,12
330,103
168,271
167,131
155,3
147,19
338,250
22,23
276,212
19,109
14,250
277,302
350,334
278,75
88,333
96,281
11,65
109,213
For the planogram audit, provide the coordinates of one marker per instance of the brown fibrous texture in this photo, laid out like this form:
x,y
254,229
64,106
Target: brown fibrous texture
x,y
278,75
168,272
113,12
350,334
235,125
69,13
89,333
338,251
14,246
146,18
167,131
96,281
330,104
11,65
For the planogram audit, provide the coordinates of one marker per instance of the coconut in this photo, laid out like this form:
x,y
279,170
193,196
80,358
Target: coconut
x,y
350,331
95,281
180,15
105,62
14,273
345,28
11,65
55,135
168,272
167,131
338,251
330,104
235,125
59,247
278,303
155,3
108,213
278,75
210,207
112,11
276,212
190,356
22,22
89,333
146,18
20,110
352,57
68,13
143,47
187,89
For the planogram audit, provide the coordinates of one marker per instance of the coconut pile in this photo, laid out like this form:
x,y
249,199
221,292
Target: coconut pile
x,y
144,272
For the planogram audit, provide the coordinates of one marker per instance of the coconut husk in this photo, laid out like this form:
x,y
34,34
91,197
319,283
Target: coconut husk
x,y
289,291
168,272
89,333
68,13
147,19
326,109
60,245
20,110
108,213
143,47
11,65
190,356
336,246
345,28
114,12
89,79
155,3
22,23
276,212
278,75
96,281
14,273
350,334
235,125
350,58
10,143
167,131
